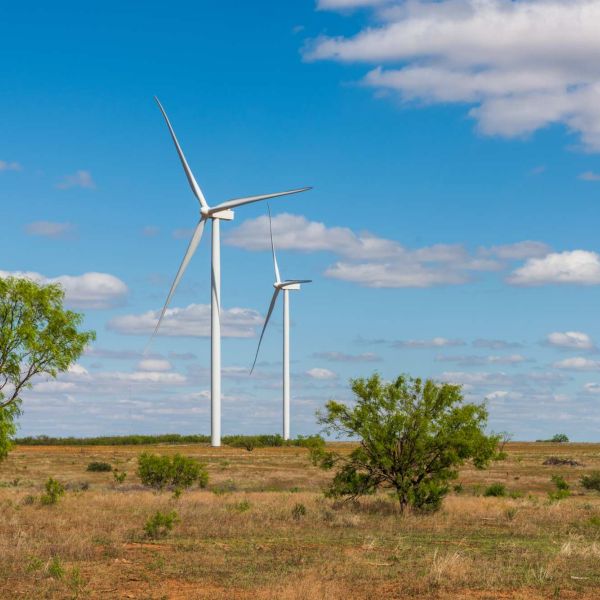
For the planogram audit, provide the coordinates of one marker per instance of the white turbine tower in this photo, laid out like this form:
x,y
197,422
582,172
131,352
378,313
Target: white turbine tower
x,y
281,286
215,214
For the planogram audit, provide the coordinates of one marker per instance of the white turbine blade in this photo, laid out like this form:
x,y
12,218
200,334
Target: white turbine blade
x,y
292,281
269,312
188,172
248,200
275,265
184,263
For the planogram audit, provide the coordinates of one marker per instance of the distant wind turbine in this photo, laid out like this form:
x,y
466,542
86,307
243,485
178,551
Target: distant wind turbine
x,y
215,214
285,286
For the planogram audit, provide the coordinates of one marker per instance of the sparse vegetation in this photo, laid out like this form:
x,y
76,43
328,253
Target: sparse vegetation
x,y
177,472
494,547
413,436
99,467
119,476
562,490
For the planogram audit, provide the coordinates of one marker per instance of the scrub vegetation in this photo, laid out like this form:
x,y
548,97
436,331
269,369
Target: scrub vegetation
x,y
262,528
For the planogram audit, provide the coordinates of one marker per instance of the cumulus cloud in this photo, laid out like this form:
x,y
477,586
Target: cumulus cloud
x,y
90,290
592,388
378,262
520,65
50,229
9,166
571,340
436,342
343,357
190,321
571,267
578,363
320,373
81,179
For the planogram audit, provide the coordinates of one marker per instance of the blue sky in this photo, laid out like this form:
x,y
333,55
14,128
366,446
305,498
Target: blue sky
x,y
451,231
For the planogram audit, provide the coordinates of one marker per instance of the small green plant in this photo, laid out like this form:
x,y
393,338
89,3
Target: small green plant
x,y
595,521
241,507
298,511
591,481
515,494
34,564
511,513
562,489
179,471
160,524
28,500
99,467
119,476
55,569
76,582
458,488
54,491
495,490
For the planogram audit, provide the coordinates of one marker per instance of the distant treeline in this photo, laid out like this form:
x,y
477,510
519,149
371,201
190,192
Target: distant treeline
x,y
235,441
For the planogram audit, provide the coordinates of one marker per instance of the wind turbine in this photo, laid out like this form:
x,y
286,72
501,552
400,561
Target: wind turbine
x,y
284,286
215,214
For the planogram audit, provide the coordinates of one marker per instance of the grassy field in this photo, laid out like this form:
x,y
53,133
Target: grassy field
x,y
245,537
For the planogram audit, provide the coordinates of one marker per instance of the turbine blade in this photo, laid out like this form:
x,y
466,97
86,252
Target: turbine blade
x,y
188,172
275,265
184,263
269,312
292,281
249,199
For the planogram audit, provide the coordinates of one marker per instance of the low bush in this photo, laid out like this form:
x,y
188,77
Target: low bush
x,y
177,472
591,481
54,491
562,488
119,476
298,511
160,524
99,467
495,490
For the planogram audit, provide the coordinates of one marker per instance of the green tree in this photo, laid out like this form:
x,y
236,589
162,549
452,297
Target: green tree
x,y
37,337
412,437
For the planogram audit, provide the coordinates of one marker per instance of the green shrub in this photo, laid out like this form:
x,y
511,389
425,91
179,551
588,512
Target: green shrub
x,y
298,511
559,482
558,495
495,490
241,507
160,524
99,467
119,476
54,491
560,438
55,569
591,481
174,472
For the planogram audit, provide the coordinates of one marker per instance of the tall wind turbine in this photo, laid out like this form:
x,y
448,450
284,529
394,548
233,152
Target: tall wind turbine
x,y
215,214
284,286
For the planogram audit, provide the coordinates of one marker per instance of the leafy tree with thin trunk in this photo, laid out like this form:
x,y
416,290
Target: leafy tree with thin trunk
x,y
413,436
38,337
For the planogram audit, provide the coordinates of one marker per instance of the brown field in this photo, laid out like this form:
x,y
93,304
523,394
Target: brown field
x,y
238,539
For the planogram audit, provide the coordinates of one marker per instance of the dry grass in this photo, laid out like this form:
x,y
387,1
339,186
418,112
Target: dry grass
x,y
242,539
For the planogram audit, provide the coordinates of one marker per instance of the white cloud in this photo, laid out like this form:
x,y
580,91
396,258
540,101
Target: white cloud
x,y
571,267
578,363
90,290
346,4
9,166
154,364
191,321
521,65
509,359
343,357
389,264
436,342
320,373
520,250
50,229
82,179
570,339
592,388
